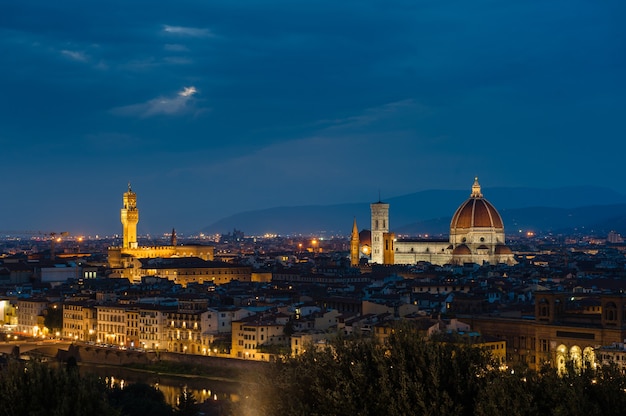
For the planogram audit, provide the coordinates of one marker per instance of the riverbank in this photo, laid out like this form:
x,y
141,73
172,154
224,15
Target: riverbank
x,y
205,388
182,365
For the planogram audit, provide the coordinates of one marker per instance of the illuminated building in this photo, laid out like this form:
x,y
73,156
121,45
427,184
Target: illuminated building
x,y
193,270
112,322
30,315
122,259
380,226
354,246
152,324
185,329
476,236
252,335
79,321
564,328
129,215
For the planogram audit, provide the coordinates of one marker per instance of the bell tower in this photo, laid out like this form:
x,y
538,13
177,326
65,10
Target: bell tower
x,y
354,246
380,226
129,215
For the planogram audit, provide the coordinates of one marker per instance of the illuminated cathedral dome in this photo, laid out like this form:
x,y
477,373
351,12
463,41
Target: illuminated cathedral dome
x,y
476,212
477,230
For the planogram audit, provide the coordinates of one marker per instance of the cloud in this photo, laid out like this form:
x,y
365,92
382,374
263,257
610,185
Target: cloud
x,y
180,103
74,55
193,32
188,91
371,115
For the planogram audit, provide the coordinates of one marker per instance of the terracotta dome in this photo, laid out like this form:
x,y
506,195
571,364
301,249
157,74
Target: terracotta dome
x,y
365,237
476,212
461,249
502,249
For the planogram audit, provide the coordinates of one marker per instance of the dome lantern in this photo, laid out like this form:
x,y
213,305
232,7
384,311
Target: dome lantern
x,y
476,189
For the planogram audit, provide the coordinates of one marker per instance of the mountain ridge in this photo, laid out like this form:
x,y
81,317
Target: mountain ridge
x,y
538,209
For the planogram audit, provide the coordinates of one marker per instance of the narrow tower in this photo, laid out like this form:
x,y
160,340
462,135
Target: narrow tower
x,y
354,246
380,226
173,239
129,215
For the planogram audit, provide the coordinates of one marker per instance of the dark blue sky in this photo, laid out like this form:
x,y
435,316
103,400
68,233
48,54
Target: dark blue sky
x,y
215,107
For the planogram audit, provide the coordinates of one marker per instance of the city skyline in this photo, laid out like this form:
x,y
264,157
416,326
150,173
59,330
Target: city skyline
x,y
214,109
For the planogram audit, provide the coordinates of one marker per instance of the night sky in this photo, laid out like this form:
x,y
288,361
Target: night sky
x,y
210,108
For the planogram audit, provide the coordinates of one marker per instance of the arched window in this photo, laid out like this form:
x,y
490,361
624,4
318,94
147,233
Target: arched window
x,y
610,312
576,355
589,357
561,358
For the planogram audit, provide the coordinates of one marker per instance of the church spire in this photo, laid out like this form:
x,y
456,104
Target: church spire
x,y
476,189
354,245
173,238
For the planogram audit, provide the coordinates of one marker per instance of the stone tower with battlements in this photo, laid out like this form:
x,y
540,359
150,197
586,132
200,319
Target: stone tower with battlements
x,y
129,215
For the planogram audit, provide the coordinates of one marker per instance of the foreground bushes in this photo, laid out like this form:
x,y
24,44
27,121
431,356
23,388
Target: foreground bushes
x,y
409,376
37,389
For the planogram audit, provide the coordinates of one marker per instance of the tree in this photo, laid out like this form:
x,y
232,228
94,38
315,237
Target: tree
x,y
139,399
37,389
187,403
410,375
53,318
363,377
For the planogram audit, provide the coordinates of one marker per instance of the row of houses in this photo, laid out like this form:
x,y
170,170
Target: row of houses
x,y
189,325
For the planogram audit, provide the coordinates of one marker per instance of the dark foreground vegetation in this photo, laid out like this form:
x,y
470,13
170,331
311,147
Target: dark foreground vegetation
x,y
404,376
37,389
408,376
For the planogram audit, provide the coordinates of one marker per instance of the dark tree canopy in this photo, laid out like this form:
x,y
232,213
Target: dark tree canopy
x,y
36,389
53,319
408,375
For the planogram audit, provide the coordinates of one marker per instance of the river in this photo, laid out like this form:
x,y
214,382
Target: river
x,y
203,388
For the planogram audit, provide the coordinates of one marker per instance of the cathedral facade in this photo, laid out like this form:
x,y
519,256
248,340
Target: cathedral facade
x,y
476,236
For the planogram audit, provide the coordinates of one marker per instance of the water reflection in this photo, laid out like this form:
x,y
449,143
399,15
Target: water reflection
x,y
171,386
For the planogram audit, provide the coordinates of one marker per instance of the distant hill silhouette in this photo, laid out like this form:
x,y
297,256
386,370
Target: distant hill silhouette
x,y
594,209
